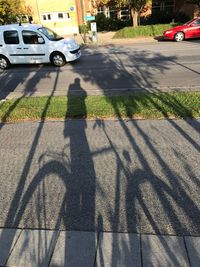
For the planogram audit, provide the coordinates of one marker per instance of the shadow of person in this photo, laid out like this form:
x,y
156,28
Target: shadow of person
x,y
80,199
76,101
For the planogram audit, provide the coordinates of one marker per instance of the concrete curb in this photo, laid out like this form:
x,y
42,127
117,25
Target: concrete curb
x,y
87,249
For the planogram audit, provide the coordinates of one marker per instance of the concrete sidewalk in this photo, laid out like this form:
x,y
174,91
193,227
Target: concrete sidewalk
x,y
106,38
44,248
107,179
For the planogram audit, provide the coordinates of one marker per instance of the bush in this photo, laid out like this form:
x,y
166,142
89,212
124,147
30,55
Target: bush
x,y
148,30
84,28
181,17
158,17
163,17
110,24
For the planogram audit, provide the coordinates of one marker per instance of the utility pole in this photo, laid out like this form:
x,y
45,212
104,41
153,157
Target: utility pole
x,y
83,19
38,11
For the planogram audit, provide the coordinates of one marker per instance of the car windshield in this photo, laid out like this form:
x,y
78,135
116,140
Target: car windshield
x,y
50,34
189,22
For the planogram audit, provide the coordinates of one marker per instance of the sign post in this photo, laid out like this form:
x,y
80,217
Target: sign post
x,y
93,26
87,18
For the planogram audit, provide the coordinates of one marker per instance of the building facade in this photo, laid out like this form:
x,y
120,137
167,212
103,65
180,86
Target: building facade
x,y
175,5
64,17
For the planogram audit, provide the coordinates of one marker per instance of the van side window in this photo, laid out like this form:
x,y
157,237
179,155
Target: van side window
x,y
11,37
30,37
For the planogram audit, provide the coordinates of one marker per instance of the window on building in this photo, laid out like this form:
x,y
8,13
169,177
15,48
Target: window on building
x,y
11,37
67,16
60,16
46,16
165,5
56,16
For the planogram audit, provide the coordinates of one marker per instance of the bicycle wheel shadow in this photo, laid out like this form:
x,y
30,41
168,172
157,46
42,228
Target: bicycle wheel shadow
x,y
69,176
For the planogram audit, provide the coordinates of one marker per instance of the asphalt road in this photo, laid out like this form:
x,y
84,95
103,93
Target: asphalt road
x,y
121,176
162,66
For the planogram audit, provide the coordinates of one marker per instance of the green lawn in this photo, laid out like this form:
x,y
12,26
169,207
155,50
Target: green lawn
x,y
136,106
145,31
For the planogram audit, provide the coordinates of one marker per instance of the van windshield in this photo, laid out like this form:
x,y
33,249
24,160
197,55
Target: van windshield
x,y
50,34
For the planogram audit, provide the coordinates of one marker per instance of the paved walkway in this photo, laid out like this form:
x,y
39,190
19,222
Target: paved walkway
x,y
29,148
88,249
106,38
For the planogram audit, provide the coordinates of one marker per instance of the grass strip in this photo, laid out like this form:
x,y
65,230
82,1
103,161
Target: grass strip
x,y
143,31
134,106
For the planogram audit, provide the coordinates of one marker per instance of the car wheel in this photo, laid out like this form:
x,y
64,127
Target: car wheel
x,y
179,36
4,63
58,59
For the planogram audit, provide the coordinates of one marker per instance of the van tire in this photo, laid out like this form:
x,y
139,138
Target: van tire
x,y
4,62
57,59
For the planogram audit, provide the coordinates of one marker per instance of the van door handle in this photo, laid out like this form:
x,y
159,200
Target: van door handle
x,y
25,47
18,48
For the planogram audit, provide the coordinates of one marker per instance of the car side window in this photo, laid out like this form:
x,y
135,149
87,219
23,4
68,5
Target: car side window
x,y
31,37
11,37
197,22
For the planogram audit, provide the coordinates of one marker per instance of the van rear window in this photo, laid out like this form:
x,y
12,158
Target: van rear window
x,y
11,37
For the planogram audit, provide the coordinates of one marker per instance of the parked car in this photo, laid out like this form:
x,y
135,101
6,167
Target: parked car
x,y
32,43
190,29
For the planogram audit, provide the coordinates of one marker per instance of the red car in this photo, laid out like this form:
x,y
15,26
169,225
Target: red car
x,y
190,29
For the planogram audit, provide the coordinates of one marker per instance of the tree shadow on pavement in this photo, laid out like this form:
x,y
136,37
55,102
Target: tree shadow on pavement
x,y
110,175
15,211
10,82
12,78
158,198
64,182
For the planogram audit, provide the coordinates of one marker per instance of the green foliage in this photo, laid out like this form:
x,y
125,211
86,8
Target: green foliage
x,y
157,17
84,28
138,5
138,105
142,31
110,24
181,17
162,17
9,9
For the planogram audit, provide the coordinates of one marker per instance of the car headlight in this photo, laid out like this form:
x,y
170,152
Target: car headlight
x,y
168,32
70,46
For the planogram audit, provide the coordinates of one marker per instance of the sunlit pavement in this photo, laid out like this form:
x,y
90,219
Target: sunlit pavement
x,y
118,193
88,249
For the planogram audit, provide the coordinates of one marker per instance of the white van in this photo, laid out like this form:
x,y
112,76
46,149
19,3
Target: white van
x,y
31,43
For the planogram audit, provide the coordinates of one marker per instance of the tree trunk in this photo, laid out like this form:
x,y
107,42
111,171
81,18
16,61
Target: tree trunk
x,y
134,15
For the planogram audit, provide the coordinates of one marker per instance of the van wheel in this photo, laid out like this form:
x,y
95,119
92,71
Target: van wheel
x,y
4,63
58,59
